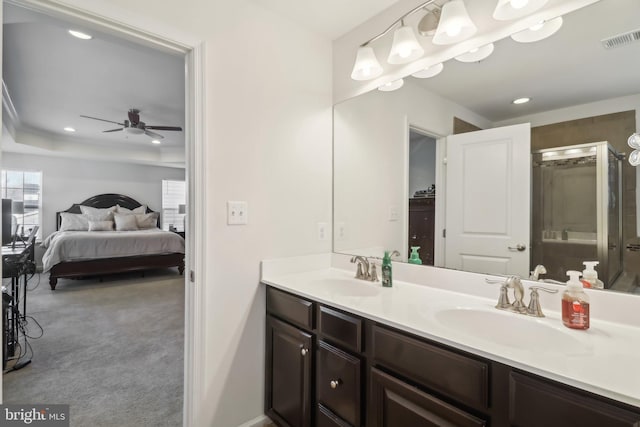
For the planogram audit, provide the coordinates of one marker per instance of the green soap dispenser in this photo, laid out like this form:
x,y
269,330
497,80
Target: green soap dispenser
x,y
414,258
387,280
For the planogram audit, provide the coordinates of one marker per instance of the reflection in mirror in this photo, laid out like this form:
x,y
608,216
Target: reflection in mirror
x,y
395,154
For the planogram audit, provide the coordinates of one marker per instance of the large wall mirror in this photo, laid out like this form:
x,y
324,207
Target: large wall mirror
x,y
451,165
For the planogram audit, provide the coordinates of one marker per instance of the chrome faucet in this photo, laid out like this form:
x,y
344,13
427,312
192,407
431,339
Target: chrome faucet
x,y
535,274
518,306
362,265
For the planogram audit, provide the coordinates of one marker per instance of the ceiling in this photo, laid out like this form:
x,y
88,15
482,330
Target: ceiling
x,y
330,18
52,78
569,68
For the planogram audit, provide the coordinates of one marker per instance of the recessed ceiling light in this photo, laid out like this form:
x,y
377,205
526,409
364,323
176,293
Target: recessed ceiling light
x,y
521,101
80,35
391,86
69,129
429,72
155,141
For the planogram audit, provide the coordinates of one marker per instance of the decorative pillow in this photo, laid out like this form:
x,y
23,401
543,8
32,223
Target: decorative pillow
x,y
139,210
125,222
99,214
100,225
73,222
147,221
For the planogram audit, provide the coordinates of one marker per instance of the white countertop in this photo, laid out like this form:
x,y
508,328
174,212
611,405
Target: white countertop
x,y
604,359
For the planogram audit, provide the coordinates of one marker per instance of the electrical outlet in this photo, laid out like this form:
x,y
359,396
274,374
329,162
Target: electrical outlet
x,y
323,233
237,213
393,213
340,231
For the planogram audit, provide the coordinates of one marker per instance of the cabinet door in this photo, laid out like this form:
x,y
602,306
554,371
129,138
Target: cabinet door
x,y
536,403
288,374
397,404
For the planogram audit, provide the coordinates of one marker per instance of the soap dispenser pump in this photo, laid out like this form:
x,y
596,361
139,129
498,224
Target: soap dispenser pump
x,y
414,258
387,279
575,303
590,275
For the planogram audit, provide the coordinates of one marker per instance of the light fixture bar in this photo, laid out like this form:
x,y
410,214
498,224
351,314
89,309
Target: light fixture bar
x,y
397,21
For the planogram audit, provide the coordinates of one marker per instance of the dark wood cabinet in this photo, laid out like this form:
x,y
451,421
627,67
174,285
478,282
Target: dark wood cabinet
x,y
422,214
354,372
398,404
289,374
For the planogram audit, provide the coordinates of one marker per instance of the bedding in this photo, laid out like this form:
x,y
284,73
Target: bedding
x,y
125,222
64,246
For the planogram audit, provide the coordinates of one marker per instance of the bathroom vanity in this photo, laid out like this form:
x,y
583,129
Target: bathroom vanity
x,y
345,352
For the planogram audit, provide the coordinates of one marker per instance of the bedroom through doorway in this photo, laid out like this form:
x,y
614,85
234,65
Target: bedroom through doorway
x,y
95,157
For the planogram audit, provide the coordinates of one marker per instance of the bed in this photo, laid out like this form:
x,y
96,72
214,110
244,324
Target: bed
x,y
78,254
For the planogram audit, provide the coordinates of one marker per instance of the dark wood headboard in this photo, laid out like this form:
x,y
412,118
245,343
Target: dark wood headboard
x,y
103,201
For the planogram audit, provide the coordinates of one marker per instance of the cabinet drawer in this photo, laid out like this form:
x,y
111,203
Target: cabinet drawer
x,y
397,404
460,377
291,308
328,419
341,328
338,382
534,402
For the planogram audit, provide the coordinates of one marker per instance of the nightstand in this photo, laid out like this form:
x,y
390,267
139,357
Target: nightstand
x,y
181,233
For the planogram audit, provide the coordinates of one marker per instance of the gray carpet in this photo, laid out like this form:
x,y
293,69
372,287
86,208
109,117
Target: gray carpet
x,y
112,350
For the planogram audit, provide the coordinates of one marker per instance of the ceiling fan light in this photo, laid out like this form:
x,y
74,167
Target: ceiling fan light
x,y
476,55
366,66
429,23
538,32
512,9
455,24
405,47
391,86
429,72
156,141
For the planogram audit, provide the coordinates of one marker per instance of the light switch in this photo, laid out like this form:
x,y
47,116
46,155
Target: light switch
x,y
237,213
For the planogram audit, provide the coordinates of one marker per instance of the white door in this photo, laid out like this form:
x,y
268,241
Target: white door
x,y
487,200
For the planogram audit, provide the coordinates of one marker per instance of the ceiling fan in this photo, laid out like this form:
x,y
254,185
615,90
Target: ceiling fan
x,y
135,126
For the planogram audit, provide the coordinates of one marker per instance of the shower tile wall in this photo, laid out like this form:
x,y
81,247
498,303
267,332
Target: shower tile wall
x,y
614,128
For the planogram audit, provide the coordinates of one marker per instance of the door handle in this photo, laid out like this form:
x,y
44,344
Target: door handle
x,y
519,248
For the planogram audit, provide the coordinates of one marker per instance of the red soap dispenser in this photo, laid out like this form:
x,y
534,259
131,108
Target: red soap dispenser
x,y
575,303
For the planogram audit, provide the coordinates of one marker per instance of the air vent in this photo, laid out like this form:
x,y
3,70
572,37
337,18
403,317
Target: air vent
x,y
621,39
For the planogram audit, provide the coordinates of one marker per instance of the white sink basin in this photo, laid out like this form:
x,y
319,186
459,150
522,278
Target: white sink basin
x,y
512,330
350,287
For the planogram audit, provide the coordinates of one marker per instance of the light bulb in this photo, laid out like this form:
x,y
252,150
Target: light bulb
x,y
404,53
519,4
634,158
453,30
634,141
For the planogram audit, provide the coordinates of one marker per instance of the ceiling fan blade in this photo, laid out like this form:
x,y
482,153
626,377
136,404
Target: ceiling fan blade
x,y
102,120
113,130
163,127
134,117
153,134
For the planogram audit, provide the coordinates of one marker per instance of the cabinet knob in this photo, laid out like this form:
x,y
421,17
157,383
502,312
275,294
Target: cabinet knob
x,y
334,383
304,351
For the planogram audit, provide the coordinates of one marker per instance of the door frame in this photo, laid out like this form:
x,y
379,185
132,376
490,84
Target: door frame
x,y
119,22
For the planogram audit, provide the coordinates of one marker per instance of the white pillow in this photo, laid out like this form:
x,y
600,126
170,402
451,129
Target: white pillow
x,y
97,214
147,221
100,225
125,222
139,210
73,222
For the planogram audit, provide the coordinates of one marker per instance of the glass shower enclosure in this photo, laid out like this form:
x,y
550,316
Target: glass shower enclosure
x,y
576,210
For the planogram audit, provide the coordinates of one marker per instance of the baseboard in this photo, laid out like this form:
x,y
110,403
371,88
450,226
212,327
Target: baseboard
x,y
260,421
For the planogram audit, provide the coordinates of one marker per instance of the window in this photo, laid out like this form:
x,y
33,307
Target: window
x,y
174,197
24,188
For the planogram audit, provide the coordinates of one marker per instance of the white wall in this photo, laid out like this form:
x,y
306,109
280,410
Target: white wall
x,y
371,134
268,110
422,164
68,181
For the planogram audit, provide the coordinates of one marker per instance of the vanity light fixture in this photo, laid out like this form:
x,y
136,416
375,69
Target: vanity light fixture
x,y
367,65
405,47
429,72
518,101
477,54
455,24
69,129
429,23
391,86
539,31
80,35
634,142
156,141
512,9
